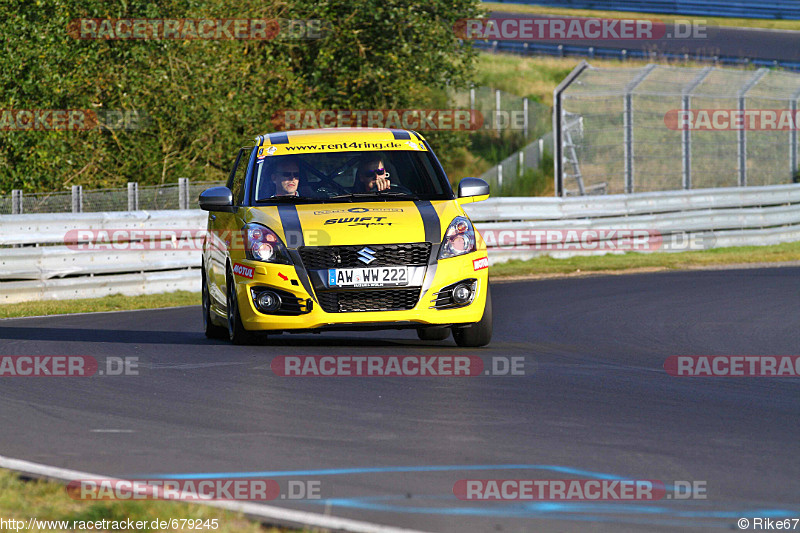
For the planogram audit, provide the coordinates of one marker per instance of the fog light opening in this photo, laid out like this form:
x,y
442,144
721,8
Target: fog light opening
x,y
268,301
462,293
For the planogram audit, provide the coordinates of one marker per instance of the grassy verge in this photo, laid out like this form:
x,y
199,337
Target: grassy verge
x,y
115,302
45,500
536,77
711,21
674,261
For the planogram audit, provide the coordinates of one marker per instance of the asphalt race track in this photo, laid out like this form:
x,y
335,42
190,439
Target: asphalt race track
x,y
595,403
710,40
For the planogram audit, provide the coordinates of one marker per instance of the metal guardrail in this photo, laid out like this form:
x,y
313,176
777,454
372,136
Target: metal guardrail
x,y
778,9
60,255
41,256
591,52
675,221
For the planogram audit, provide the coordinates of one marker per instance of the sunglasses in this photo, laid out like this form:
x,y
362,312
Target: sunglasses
x,y
289,175
376,172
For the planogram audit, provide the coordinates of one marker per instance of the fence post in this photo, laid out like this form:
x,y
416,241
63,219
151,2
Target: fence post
x,y
628,126
686,134
16,202
472,99
133,196
558,153
525,117
793,138
497,110
741,133
520,163
183,193
77,199
499,175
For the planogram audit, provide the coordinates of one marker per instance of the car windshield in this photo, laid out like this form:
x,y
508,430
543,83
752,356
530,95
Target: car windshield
x,y
348,176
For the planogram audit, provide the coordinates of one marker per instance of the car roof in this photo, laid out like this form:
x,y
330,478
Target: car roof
x,y
334,135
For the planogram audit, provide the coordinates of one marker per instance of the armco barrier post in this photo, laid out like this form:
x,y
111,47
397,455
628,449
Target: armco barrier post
x,y
77,199
16,202
183,193
133,196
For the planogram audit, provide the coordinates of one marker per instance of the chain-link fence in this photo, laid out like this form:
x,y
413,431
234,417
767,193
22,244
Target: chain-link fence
x,y
505,112
181,195
655,128
512,167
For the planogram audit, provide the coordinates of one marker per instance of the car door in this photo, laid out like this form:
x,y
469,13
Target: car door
x,y
224,230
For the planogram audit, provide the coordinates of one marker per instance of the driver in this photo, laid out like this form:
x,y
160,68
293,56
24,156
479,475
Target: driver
x,y
372,175
286,177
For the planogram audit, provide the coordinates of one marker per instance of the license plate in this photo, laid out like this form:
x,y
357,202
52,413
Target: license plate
x,y
368,277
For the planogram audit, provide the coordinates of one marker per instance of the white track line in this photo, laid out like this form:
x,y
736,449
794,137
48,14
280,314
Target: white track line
x,y
275,515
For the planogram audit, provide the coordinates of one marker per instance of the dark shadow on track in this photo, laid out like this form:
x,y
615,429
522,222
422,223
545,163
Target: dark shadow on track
x,y
195,338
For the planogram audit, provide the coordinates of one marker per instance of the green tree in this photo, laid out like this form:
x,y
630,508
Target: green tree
x,y
205,98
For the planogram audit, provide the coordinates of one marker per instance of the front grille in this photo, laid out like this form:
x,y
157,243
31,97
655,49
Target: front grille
x,y
368,300
408,254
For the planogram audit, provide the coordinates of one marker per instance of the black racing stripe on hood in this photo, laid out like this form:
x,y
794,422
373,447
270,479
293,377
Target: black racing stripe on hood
x,y
293,230
430,221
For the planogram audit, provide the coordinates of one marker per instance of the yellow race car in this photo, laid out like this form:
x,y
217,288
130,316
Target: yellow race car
x,y
344,229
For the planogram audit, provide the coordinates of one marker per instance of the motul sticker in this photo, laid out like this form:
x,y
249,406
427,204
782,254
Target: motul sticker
x,y
241,270
478,264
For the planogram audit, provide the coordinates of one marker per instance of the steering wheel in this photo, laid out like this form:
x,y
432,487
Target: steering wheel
x,y
401,188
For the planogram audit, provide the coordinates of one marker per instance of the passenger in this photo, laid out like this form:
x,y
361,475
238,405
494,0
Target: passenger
x,y
372,175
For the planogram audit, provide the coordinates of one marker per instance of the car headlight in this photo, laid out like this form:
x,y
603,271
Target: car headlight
x,y
459,239
262,244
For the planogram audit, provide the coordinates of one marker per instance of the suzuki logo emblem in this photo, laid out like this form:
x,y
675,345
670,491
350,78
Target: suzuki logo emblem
x,y
365,255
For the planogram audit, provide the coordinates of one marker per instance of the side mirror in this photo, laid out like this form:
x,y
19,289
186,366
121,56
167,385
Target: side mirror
x,y
217,199
472,190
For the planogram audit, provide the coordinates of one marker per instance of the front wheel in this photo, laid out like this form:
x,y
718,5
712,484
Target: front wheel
x,y
479,333
236,332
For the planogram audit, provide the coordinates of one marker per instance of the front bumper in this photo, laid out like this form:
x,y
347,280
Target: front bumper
x,y
286,280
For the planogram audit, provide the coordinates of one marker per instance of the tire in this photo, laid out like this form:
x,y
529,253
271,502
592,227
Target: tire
x,y
479,333
433,334
212,330
236,332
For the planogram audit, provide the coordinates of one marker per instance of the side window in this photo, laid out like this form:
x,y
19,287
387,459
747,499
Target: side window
x,y
236,179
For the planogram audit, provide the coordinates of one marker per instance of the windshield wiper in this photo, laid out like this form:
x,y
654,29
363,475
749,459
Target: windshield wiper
x,y
374,195
398,193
